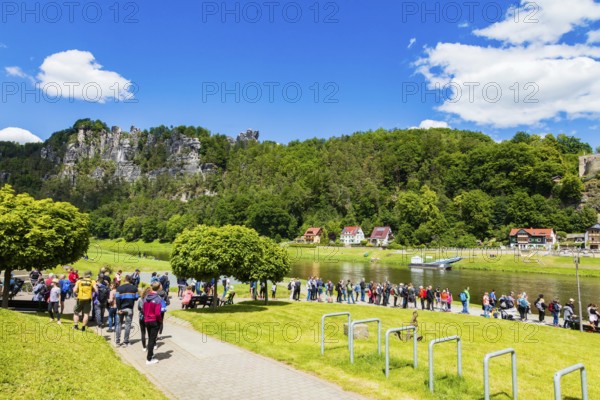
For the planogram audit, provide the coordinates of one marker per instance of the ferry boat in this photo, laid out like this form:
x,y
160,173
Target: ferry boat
x,y
444,264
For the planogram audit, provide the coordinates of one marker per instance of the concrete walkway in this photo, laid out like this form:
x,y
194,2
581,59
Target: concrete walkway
x,y
191,365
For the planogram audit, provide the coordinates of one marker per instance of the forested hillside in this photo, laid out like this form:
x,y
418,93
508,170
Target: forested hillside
x,y
434,187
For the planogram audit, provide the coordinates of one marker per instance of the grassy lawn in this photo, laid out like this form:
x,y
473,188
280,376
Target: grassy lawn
x,y
40,360
117,255
289,332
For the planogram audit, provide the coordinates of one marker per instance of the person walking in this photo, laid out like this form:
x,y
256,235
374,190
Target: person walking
x,y
112,307
101,302
83,291
152,320
541,307
523,306
53,301
555,308
142,322
568,313
486,305
465,297
126,297
350,292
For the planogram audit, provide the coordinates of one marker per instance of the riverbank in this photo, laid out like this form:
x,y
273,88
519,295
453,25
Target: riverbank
x,y
473,259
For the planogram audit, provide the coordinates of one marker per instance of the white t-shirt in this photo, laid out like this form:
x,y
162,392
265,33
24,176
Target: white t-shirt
x,y
54,294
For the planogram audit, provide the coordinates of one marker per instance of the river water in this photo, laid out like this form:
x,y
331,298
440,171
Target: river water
x,y
561,286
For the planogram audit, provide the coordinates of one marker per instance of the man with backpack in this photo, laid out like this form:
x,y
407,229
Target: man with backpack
x,y
126,297
65,288
464,299
83,291
101,302
555,308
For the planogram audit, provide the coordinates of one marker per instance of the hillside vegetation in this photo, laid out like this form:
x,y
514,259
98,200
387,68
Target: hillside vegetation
x,y
433,187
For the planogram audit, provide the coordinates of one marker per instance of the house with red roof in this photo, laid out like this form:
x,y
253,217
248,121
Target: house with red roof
x,y
352,235
381,236
313,235
532,238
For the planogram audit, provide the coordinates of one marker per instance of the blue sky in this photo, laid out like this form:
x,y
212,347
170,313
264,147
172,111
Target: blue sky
x,y
302,69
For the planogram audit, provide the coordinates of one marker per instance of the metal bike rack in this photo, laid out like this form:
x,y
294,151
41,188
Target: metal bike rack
x,y
486,371
572,368
323,328
351,334
459,356
387,346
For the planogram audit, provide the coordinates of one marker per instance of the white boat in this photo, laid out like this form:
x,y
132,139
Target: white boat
x,y
444,264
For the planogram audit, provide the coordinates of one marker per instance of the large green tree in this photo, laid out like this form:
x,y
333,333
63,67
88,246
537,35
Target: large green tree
x,y
209,252
38,233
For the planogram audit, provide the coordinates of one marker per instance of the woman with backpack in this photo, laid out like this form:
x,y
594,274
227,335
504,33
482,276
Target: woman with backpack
x,y
523,306
555,310
152,308
65,287
140,306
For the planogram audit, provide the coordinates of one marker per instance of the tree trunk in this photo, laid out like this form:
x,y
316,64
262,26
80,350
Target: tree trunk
x,y
266,292
215,301
6,290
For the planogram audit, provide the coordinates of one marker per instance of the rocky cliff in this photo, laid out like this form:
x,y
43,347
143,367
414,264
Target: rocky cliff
x,y
130,155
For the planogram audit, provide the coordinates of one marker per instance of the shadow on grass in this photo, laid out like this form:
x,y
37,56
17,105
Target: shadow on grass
x,y
395,364
500,395
241,307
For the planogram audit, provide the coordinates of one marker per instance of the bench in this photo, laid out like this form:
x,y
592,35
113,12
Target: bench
x,y
28,305
203,301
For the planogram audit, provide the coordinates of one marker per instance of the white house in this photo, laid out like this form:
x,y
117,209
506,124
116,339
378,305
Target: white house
x,y
381,236
352,235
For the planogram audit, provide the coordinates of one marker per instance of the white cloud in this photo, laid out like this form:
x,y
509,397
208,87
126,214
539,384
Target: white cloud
x,y
18,135
430,123
15,71
19,73
463,25
411,42
593,36
541,21
75,74
525,84
3,46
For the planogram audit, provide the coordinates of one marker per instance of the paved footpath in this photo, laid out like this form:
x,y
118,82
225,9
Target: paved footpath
x,y
191,363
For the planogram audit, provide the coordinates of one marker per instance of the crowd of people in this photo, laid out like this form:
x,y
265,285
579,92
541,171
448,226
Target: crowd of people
x,y
504,306
115,298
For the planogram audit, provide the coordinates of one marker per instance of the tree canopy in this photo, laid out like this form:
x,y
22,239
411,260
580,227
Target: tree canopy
x,y
38,233
209,252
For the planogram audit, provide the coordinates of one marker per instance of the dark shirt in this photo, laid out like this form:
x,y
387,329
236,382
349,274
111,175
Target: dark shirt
x,y
126,296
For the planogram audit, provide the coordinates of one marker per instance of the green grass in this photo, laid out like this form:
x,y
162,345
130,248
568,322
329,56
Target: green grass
x,y
40,360
289,332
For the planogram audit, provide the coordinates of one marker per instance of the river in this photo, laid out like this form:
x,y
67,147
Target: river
x,y
561,286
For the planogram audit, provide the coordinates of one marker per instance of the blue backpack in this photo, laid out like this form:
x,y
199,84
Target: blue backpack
x,y
65,285
463,296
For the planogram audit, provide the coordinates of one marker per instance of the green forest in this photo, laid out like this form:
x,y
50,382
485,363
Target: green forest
x,y
433,187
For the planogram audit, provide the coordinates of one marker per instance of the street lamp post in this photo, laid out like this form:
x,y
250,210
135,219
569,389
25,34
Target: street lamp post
x,y
576,259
